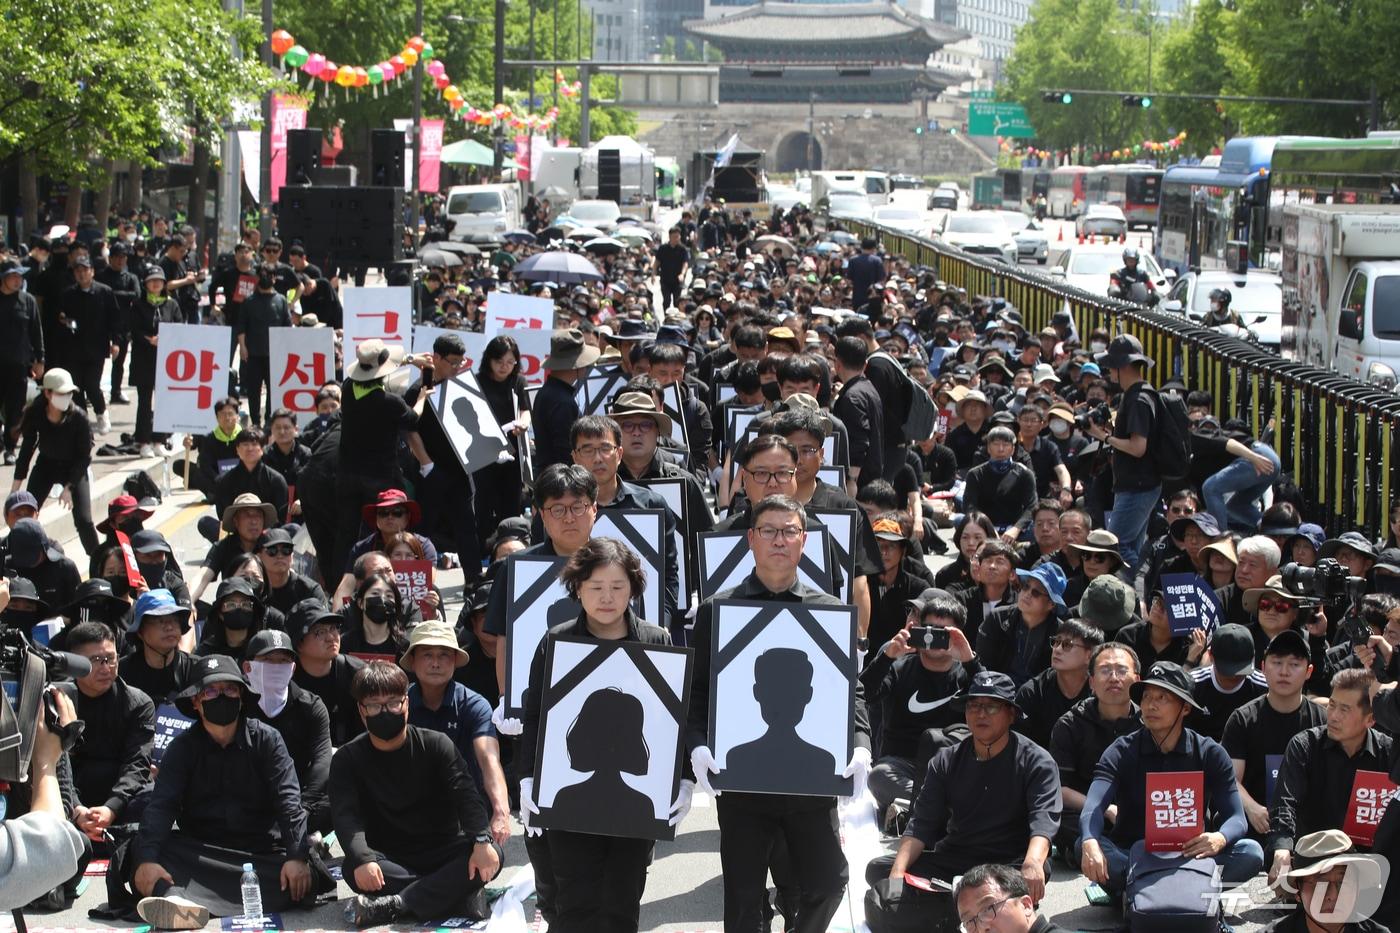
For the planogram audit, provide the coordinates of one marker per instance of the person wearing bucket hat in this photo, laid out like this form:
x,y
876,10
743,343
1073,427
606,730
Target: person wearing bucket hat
x,y
1016,639
94,601
1273,608
1098,556
414,828
246,518
299,717
1230,681
1108,603
23,341
1352,549
556,408
188,874
436,700
1164,743
155,664
391,513
62,436
1302,548
1335,887
948,832
974,412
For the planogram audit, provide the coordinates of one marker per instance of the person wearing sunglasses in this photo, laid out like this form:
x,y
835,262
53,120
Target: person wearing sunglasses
x,y
285,586
186,875
391,513
1054,691
1098,555
1016,639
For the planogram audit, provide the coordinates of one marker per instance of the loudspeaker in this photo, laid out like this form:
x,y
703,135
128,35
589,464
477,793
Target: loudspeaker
x,y
352,226
386,158
609,175
303,155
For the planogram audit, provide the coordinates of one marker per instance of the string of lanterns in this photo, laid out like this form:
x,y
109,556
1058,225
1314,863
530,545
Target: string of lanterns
x,y
317,67
1098,155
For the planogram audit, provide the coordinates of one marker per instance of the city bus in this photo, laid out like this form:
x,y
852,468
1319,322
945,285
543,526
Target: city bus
x,y
1035,182
1136,189
1067,195
1318,170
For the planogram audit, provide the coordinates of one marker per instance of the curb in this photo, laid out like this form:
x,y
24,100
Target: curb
x,y
58,521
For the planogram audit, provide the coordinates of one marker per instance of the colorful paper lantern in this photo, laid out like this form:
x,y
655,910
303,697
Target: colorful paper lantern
x,y
410,57
314,64
435,68
416,43
457,103
296,57
442,81
450,93
427,52
398,64
282,41
375,73
345,76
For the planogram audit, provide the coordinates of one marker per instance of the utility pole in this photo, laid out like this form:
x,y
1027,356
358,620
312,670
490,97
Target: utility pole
x,y
230,178
554,82
530,102
265,156
414,211
499,59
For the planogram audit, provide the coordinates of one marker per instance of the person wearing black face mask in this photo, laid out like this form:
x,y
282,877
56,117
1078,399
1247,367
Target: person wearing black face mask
x,y
93,602
381,630
26,607
159,568
389,790
236,617
184,876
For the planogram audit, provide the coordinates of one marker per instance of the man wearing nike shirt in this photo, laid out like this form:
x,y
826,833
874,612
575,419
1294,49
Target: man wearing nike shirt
x,y
914,687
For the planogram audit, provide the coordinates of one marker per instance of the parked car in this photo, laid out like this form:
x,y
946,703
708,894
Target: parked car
x,y
945,197
981,233
1031,242
1256,296
483,213
1101,220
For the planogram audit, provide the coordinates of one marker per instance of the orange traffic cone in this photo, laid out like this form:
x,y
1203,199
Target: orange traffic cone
x,y
1122,238
1061,237
1081,239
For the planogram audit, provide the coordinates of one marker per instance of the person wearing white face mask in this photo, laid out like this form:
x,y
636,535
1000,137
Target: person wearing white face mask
x,y
63,436
299,717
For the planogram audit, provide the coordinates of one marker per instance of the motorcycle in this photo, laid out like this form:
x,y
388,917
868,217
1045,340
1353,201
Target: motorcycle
x,y
1139,293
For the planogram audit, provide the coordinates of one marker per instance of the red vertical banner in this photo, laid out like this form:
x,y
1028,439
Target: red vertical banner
x,y
1371,793
430,156
522,156
133,569
1175,809
288,113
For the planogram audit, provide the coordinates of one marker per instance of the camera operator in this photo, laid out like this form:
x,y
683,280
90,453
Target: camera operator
x,y
41,849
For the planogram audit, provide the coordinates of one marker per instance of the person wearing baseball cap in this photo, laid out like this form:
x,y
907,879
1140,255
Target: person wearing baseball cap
x,y
948,831
479,673
60,432
321,668
232,789
285,586
299,717
1164,743
22,356
1230,681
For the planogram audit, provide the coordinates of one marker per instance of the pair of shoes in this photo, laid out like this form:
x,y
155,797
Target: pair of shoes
x,y
104,423
363,910
147,450
173,913
119,399
10,458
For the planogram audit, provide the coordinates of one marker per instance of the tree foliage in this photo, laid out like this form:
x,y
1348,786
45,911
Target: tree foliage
x,y
96,80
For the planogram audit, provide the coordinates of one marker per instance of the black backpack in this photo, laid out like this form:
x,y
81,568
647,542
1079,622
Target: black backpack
x,y
1170,445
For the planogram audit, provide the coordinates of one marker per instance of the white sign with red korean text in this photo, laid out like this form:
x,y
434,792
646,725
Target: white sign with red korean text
x,y
191,374
303,360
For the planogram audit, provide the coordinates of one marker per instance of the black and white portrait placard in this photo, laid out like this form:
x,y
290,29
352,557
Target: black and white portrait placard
x,y
782,697
642,531
725,559
537,603
672,405
673,490
741,418
612,721
842,525
833,476
724,391
462,410
596,389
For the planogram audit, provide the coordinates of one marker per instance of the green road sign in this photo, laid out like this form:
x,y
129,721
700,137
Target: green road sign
x,y
981,95
995,119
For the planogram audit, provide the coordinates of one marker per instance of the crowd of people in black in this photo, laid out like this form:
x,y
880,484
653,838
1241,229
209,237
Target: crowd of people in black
x,y
1008,708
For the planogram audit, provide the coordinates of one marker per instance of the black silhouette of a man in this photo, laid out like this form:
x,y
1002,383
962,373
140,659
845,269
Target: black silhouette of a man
x,y
782,685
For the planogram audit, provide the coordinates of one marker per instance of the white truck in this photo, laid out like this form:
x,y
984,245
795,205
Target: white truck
x,y
618,168
874,185
1341,289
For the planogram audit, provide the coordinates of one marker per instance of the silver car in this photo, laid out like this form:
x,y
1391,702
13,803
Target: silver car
x,y
1031,242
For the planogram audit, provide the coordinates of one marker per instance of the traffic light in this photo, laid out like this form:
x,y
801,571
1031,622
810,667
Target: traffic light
x,y
1137,100
1057,97
919,130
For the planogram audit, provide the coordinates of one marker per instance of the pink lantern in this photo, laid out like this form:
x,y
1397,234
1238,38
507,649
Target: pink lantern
x,y
314,64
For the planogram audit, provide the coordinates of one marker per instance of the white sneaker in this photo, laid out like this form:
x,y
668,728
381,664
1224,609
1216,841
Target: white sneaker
x,y
148,450
173,913
104,423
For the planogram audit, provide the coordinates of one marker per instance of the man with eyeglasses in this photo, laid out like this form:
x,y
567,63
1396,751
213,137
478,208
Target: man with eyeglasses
x,y
1016,639
993,797
231,787
112,765
809,869
1079,737
996,899
408,814
285,277
285,587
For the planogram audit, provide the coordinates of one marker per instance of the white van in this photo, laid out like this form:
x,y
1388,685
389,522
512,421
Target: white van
x,y
483,213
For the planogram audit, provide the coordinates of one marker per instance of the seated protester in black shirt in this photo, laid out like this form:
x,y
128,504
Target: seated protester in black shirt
x,y
321,669
216,450
1257,734
1001,487
154,663
974,412
156,560
1230,681
365,566
1257,561
237,614
1331,876
1381,612
413,825
391,514
1047,543
1080,737
912,688
284,453
993,797
1051,475
1164,743
245,520
1314,787
252,476
381,630
1153,640
285,587
479,673
877,497
299,717
994,569
1189,534
93,602
25,608
895,586
124,514
231,787
110,566
1098,555
1016,639
968,536
112,764
1163,548
1054,691
32,555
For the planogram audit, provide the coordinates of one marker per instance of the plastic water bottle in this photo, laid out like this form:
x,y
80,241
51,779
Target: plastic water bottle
x,y
252,895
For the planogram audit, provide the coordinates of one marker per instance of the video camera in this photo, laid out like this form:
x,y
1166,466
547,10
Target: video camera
x,y
1327,581
26,673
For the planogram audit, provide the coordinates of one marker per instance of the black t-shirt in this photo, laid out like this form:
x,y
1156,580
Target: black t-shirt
x,y
913,698
1045,456
1256,733
1137,411
1206,690
369,430
670,260
1043,703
